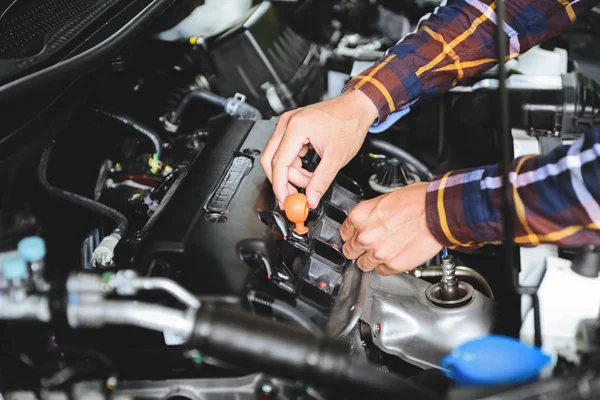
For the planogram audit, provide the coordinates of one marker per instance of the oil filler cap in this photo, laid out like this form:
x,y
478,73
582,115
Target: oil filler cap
x,y
494,360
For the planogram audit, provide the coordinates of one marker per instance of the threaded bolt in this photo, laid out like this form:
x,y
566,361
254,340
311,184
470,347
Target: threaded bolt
x,y
449,283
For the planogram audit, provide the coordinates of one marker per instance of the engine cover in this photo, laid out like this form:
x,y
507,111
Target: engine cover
x,y
214,208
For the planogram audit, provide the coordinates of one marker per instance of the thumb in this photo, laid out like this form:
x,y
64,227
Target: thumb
x,y
321,180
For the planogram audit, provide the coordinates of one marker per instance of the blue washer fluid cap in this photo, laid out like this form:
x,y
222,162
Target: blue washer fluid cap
x,y
14,267
32,248
494,360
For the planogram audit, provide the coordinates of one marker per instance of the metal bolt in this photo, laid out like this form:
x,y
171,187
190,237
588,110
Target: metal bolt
x,y
449,283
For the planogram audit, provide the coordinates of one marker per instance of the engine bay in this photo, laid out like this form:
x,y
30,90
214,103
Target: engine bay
x,y
144,254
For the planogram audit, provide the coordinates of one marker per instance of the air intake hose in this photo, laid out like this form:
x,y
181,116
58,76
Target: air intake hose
x,y
288,351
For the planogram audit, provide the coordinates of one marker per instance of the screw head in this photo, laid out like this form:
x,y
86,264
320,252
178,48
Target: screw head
x,y
376,329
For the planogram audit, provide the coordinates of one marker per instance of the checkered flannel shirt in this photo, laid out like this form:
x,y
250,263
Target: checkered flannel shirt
x,y
556,196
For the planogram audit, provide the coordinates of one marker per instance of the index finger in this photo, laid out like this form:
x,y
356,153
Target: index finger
x,y
288,151
347,230
271,148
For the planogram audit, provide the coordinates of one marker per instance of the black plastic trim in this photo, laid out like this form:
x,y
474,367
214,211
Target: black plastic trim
x,y
88,59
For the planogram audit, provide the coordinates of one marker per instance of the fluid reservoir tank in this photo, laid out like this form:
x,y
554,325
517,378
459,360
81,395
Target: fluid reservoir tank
x,y
212,18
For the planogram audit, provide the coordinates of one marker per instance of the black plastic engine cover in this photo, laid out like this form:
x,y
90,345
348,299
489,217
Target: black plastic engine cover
x,y
214,209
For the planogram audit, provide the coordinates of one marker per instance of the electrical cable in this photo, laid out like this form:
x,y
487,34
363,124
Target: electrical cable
x,y
283,310
105,211
507,192
137,126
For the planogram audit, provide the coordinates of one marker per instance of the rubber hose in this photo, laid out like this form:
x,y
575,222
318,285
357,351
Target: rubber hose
x,y
137,126
283,310
197,94
105,211
244,110
403,156
287,351
247,111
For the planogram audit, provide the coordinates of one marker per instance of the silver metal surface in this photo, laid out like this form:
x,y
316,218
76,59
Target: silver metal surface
x,y
436,294
413,328
148,316
461,271
170,287
33,308
449,283
239,388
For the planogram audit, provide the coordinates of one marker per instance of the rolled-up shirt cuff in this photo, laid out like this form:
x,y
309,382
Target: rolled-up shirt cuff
x,y
390,84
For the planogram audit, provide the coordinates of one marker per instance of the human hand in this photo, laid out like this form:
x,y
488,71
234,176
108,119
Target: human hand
x,y
389,233
335,129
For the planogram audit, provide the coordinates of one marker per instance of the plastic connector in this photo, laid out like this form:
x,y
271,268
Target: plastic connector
x,y
14,267
155,164
168,125
32,249
105,252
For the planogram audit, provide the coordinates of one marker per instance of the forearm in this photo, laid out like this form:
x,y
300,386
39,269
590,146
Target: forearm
x,y
556,200
456,42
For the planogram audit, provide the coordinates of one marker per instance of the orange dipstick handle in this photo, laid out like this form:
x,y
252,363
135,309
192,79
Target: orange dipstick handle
x,y
296,210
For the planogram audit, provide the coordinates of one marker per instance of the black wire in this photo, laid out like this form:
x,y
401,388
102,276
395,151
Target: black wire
x,y
507,158
117,217
135,125
71,372
164,185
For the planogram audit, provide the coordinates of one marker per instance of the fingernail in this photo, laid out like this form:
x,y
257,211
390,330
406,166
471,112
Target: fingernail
x,y
314,200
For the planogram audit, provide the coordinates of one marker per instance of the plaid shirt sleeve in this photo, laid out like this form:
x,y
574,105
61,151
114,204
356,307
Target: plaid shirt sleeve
x,y
556,200
455,42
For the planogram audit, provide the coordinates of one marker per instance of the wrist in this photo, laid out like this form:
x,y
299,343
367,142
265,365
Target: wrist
x,y
362,106
459,213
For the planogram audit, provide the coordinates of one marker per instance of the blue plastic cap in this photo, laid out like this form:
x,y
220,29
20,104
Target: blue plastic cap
x,y
494,360
14,267
32,249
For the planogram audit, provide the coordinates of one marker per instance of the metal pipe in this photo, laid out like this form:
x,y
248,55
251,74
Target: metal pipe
x,y
147,316
168,286
32,309
436,272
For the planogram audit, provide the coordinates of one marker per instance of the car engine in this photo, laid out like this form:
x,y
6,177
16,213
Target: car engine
x,y
143,254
